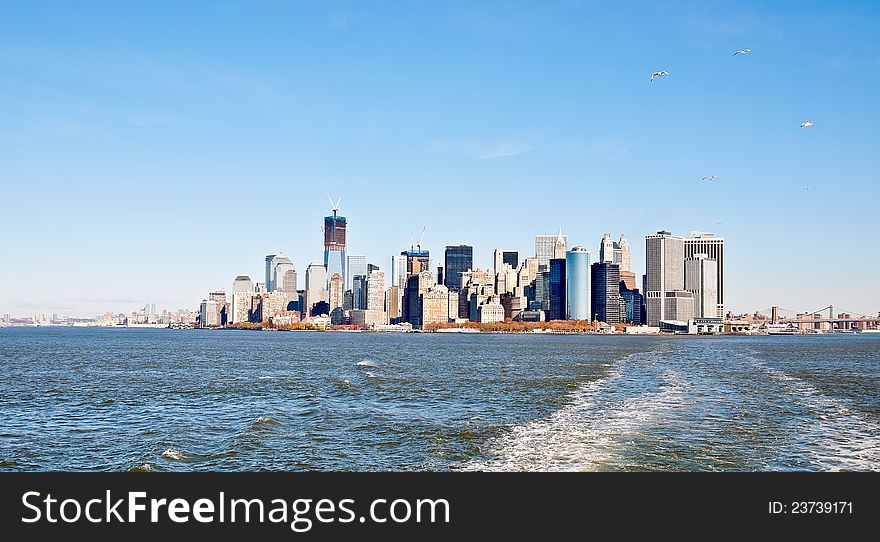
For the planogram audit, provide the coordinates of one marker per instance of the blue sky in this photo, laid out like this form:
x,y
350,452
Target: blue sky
x,y
154,150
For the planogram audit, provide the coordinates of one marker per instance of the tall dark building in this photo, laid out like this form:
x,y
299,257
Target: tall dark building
x,y
634,305
439,274
557,289
334,244
459,258
605,294
511,258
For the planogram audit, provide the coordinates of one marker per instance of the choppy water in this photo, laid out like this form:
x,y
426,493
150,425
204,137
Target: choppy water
x,y
117,399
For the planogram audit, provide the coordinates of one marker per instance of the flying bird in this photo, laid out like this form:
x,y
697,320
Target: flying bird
x,y
659,74
806,188
710,177
806,124
742,52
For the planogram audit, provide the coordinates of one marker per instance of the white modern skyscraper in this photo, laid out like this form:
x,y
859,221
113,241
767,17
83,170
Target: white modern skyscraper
x,y
713,248
577,284
664,272
316,286
701,278
242,293
280,274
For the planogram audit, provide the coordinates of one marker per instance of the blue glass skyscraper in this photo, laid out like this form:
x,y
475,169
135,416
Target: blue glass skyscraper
x,y
577,284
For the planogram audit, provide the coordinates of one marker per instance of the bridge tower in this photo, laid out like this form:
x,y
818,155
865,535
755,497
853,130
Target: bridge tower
x,y
774,314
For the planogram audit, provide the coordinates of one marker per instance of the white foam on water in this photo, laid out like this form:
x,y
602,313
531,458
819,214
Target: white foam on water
x,y
840,437
265,378
174,455
591,432
367,363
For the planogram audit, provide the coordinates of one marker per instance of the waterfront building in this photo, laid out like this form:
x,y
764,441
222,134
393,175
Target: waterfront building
x,y
606,299
316,287
367,318
491,312
354,265
678,306
435,306
542,291
209,313
713,247
336,292
335,246
548,247
577,284
375,292
701,279
359,292
241,306
514,305
416,286
457,260
634,305
557,289
664,265
393,299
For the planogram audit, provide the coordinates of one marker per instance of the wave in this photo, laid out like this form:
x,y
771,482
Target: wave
x,y
265,378
146,467
367,363
264,421
175,455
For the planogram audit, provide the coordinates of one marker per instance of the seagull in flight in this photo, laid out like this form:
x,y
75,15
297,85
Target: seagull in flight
x,y
659,74
710,177
742,52
806,124
806,188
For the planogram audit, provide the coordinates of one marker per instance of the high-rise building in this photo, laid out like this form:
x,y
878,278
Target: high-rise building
x,y
577,284
417,261
557,289
678,306
606,299
376,291
269,268
209,313
398,271
664,266
511,258
435,305
316,286
416,286
701,279
615,252
359,292
393,298
634,304
280,274
242,283
713,248
548,247
354,265
457,260
337,292
498,261
335,228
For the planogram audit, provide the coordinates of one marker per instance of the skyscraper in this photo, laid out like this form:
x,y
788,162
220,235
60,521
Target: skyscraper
x,y
316,286
242,293
457,260
511,258
701,279
615,252
336,293
354,265
398,271
713,248
664,266
577,284
269,269
335,243
416,286
557,289
548,247
376,291
606,299
417,260
280,274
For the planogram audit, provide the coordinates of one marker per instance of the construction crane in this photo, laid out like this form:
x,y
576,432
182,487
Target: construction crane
x,y
334,206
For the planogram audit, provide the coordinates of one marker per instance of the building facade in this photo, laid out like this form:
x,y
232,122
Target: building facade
x,y
577,284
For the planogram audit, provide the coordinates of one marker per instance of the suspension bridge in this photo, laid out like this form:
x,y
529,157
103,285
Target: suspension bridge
x,y
822,318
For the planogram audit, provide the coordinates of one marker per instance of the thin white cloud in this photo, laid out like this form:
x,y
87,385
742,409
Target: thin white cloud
x,y
484,150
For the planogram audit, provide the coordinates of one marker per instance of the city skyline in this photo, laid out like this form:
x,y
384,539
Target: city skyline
x,y
127,161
